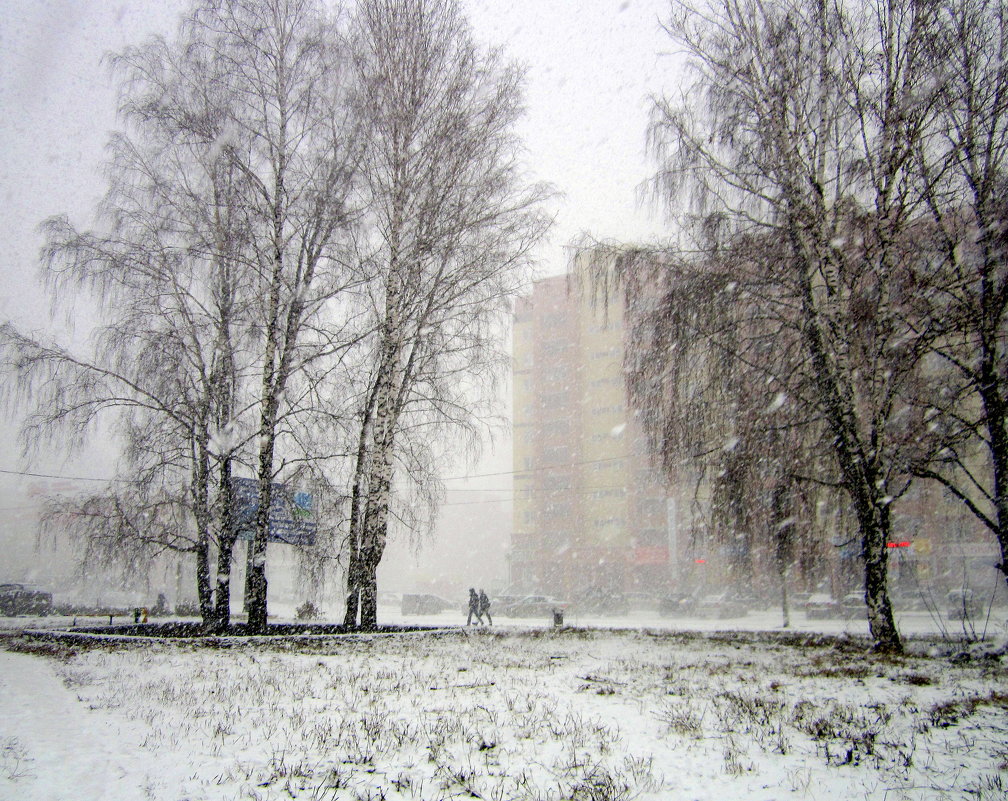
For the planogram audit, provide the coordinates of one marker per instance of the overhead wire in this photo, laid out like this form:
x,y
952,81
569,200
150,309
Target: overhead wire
x,y
512,490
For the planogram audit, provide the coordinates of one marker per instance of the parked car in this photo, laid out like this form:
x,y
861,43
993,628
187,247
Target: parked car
x,y
614,603
821,605
909,601
679,604
533,606
17,599
852,606
963,605
641,602
424,604
724,605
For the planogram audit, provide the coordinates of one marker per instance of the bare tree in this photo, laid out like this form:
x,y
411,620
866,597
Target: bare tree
x,y
452,221
799,132
715,372
162,271
964,166
295,144
221,259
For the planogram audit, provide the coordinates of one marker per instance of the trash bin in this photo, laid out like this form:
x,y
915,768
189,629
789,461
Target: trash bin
x,y
558,617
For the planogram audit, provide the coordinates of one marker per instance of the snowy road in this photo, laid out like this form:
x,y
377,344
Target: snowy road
x,y
56,748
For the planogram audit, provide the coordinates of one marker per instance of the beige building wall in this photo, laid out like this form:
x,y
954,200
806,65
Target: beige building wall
x,y
591,516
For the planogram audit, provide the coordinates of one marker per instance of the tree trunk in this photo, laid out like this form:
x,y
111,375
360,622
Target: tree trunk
x,y
390,383
258,586
225,555
859,475
350,615
783,539
873,525
248,576
225,558
881,624
373,545
369,588
257,583
375,527
203,589
201,511
995,421
357,519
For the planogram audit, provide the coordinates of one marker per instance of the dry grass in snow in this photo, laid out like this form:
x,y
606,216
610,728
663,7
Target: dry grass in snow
x,y
545,715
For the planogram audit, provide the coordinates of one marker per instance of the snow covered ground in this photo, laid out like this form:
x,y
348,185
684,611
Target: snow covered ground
x,y
517,712
919,622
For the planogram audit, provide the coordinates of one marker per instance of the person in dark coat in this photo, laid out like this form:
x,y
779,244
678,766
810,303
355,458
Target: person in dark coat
x,y
484,606
474,607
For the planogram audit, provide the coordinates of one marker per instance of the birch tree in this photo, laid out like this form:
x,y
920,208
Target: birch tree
x,y
799,130
964,167
222,259
714,373
162,272
452,221
296,145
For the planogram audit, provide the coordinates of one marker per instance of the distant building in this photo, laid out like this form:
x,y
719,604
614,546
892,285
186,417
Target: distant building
x,y
591,516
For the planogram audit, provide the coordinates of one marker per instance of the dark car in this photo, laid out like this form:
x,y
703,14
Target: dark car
x,y
820,606
963,605
723,605
17,599
682,603
601,603
533,606
424,604
642,602
852,606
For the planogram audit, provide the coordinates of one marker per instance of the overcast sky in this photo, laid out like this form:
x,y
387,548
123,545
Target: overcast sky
x,y
591,66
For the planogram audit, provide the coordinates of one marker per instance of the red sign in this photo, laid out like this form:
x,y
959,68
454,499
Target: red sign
x,y
650,555
904,544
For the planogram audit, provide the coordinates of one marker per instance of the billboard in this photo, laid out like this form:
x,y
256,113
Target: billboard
x,y
291,514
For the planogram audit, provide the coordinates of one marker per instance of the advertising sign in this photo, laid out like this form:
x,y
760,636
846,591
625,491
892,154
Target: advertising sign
x,y
291,515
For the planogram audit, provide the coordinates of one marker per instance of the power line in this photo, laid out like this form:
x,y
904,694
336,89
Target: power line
x,y
446,478
62,478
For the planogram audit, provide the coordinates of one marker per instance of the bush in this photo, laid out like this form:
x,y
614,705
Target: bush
x,y
187,609
308,611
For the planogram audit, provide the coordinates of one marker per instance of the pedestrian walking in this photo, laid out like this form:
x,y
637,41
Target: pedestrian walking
x,y
474,608
484,606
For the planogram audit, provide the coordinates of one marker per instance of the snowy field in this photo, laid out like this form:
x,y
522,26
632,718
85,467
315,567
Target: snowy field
x,y
517,712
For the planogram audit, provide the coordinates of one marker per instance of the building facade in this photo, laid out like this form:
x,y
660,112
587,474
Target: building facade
x,y
592,518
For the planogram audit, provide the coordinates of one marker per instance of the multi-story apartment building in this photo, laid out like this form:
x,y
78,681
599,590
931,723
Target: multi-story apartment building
x,y
591,516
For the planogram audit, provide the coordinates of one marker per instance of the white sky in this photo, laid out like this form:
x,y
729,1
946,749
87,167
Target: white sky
x,y
591,66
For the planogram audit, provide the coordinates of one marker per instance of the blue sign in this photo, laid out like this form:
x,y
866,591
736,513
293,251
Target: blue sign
x,y
291,517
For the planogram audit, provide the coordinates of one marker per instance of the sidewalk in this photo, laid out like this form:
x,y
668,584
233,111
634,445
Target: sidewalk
x,y
53,748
